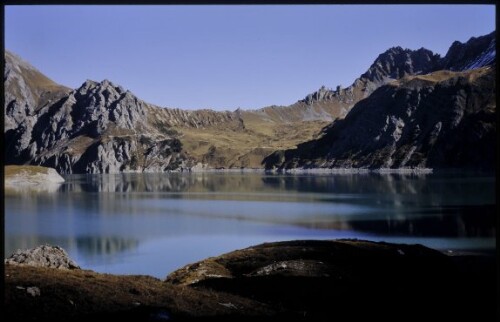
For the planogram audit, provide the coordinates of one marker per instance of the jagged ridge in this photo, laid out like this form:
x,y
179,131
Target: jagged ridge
x,y
442,120
100,127
96,128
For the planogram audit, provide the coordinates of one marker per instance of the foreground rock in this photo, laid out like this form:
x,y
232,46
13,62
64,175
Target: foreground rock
x,y
290,281
43,256
350,280
339,260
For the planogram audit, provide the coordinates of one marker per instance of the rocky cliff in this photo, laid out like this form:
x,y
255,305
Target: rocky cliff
x,y
26,91
328,104
440,120
101,127
96,128
475,53
424,111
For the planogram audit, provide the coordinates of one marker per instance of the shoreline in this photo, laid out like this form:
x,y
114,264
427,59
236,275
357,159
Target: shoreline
x,y
353,171
289,171
53,177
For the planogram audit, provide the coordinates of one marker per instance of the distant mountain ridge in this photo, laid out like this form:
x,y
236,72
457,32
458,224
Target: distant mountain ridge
x,y
101,128
440,120
441,114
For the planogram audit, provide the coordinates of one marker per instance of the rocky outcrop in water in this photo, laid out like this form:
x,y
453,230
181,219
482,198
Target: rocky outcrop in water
x,y
43,256
21,177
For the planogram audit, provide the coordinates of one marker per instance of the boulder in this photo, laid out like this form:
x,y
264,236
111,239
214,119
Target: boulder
x,y
43,256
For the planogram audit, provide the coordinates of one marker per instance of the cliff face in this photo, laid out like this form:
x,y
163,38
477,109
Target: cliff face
x,y
475,53
424,111
100,127
440,120
96,128
329,104
26,91
396,63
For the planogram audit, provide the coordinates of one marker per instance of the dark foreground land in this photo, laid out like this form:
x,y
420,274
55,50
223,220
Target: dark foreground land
x,y
342,280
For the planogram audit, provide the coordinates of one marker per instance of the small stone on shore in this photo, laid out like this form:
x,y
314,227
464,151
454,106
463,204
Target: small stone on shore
x,y
42,256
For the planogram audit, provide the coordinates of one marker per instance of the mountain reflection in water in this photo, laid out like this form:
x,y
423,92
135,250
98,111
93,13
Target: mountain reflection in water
x,y
153,223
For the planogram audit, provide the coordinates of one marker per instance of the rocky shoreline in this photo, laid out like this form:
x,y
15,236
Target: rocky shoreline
x,y
306,280
310,170
352,170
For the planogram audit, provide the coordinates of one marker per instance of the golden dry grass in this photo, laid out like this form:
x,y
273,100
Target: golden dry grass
x,y
235,148
13,170
444,75
69,294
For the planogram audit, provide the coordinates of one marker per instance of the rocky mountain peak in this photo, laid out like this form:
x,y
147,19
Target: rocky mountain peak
x,y
104,104
322,93
105,86
476,52
441,120
396,50
98,127
397,62
101,127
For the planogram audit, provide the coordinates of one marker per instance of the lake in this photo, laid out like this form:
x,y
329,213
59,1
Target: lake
x,y
155,223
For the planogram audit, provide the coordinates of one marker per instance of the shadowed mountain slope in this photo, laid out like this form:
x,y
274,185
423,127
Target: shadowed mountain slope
x,y
101,127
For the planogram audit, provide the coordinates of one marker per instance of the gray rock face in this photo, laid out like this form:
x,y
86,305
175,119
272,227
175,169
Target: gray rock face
x,y
425,118
322,94
43,256
26,90
328,104
97,128
416,122
100,127
475,53
397,62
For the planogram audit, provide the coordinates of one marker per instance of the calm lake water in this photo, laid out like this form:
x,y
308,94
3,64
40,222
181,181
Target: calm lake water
x,y
155,223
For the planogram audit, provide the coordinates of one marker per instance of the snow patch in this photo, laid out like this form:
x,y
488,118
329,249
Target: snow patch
x,y
487,57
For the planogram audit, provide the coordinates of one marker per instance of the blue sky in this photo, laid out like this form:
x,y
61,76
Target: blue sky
x,y
225,57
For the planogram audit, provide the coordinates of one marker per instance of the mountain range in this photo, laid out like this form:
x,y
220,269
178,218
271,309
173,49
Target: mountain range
x,y
411,108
